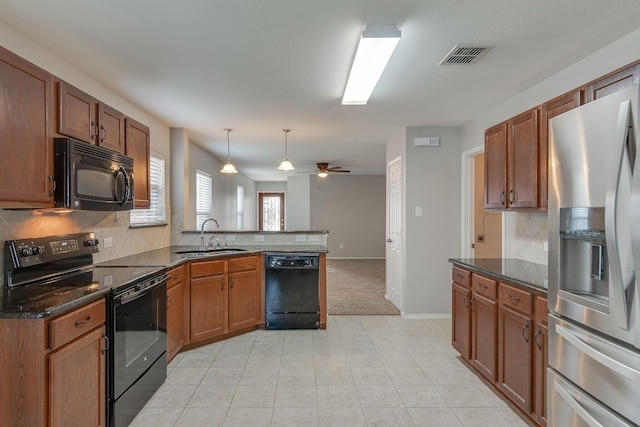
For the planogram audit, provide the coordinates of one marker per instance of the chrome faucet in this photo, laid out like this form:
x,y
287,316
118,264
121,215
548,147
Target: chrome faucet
x,y
202,231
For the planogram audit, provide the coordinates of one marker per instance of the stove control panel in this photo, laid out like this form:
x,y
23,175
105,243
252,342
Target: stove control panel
x,y
40,250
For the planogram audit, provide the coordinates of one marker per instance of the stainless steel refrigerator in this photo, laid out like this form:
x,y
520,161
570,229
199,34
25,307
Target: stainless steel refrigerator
x,y
593,377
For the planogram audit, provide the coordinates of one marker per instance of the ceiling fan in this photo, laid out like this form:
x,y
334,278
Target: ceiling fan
x,y
324,169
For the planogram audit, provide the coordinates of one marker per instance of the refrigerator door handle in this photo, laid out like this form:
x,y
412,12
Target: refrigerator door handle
x,y
598,356
576,406
618,227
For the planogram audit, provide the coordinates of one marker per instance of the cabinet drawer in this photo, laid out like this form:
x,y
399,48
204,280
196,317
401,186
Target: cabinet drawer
x,y
207,268
72,325
242,264
461,277
176,275
483,286
542,310
516,298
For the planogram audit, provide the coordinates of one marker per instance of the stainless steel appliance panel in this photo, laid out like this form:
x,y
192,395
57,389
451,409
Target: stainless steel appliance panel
x,y
602,368
591,268
571,407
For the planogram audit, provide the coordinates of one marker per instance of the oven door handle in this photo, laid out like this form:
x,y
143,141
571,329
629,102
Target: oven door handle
x,y
131,296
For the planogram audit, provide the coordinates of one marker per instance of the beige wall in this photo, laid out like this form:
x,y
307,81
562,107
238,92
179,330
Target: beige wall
x,y
352,209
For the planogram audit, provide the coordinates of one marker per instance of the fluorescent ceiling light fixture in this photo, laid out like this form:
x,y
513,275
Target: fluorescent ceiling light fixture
x,y
376,46
228,167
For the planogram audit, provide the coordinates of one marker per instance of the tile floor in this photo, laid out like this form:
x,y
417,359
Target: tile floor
x,y
360,371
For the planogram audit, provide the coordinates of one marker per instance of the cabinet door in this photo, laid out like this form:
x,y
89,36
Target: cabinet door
x,y
540,343
77,113
613,82
77,387
26,114
208,307
523,160
483,335
461,328
138,147
111,128
514,357
549,110
175,319
495,167
243,299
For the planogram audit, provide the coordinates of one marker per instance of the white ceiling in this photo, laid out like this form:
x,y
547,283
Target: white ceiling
x,y
258,66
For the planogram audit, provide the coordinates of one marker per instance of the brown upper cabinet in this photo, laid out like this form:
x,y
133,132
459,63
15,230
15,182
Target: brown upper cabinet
x,y
511,163
138,147
83,117
613,82
26,143
549,110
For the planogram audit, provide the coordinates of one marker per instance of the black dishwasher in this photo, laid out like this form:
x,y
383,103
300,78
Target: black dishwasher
x,y
292,291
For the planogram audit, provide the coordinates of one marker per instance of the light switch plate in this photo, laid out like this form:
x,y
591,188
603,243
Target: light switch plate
x,y
231,238
108,242
258,238
313,238
301,238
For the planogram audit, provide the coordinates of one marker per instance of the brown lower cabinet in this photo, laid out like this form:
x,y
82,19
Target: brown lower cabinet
x,y
177,300
55,368
224,297
500,329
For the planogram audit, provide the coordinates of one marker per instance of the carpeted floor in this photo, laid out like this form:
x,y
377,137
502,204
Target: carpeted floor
x,y
357,286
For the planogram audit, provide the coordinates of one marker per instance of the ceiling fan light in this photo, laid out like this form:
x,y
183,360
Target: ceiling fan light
x,y
228,168
286,165
322,174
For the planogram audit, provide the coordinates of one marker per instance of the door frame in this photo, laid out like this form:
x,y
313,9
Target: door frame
x,y
261,195
466,203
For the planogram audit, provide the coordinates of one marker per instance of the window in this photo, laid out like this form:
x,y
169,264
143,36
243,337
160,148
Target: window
x,y
156,213
240,208
204,197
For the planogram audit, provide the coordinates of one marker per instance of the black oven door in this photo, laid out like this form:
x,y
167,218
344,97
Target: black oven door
x,y
138,333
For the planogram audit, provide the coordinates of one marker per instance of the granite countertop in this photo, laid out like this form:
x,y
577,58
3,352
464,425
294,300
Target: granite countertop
x,y
45,300
519,272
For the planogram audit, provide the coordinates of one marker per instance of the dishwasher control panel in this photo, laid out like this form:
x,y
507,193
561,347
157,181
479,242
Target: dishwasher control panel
x,y
292,261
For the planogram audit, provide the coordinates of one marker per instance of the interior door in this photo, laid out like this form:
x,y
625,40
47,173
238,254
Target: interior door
x,y
271,211
487,225
394,233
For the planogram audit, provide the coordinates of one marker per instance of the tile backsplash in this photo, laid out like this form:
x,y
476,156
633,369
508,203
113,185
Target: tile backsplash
x,y
21,224
531,236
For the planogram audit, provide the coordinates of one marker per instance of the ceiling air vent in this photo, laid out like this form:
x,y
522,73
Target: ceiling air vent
x,y
465,54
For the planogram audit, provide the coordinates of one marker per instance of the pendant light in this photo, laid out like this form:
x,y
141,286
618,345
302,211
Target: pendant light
x,y
228,167
286,164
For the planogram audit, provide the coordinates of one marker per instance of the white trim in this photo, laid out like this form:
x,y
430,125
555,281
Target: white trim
x,y
466,202
427,316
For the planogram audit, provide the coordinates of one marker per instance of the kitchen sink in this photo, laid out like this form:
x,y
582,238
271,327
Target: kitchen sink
x,y
209,251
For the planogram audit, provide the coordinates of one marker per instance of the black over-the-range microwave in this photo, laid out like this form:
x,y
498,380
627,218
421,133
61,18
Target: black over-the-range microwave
x,y
89,177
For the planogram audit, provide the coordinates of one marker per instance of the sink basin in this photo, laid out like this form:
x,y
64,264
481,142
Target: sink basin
x,y
209,251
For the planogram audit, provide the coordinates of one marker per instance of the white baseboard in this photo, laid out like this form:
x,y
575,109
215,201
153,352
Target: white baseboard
x,y
427,316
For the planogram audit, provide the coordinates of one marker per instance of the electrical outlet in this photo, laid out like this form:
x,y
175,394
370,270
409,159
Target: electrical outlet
x,y
313,238
231,238
546,246
258,238
301,238
341,246
108,242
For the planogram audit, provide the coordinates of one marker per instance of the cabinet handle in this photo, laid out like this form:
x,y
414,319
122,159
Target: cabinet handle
x,y
168,302
483,286
514,298
222,284
80,323
93,131
460,276
465,300
473,298
510,196
502,198
526,325
535,339
53,181
106,344
102,128
231,283
175,276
